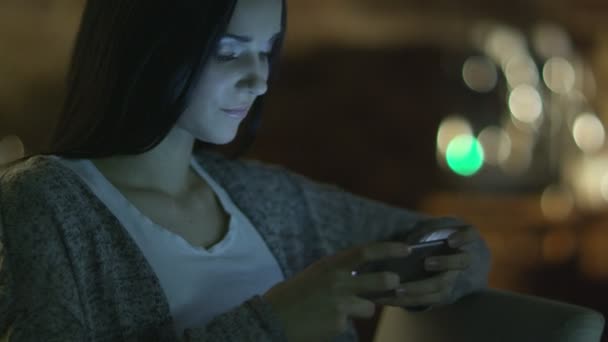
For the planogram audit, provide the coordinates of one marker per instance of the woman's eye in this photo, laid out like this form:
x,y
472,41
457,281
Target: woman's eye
x,y
233,56
225,58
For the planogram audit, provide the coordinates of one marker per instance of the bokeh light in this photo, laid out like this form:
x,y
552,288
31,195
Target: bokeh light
x,y
589,133
520,157
480,74
522,70
551,40
502,43
451,127
11,148
587,177
604,186
559,75
496,144
557,203
585,79
465,155
525,103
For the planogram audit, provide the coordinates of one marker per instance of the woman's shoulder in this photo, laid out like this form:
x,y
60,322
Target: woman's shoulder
x,y
266,174
241,168
35,173
250,175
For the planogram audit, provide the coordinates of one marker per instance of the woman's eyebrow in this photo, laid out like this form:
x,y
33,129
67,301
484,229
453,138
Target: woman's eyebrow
x,y
247,39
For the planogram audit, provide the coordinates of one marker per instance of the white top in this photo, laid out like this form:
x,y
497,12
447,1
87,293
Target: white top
x,y
198,283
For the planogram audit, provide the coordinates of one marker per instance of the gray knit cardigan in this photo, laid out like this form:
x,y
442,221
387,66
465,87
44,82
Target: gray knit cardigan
x,y
71,272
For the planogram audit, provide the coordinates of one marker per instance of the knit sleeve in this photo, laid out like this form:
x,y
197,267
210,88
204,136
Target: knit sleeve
x,y
252,321
345,220
5,297
37,295
40,299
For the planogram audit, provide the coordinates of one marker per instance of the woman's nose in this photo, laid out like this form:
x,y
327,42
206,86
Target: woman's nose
x,y
257,85
255,80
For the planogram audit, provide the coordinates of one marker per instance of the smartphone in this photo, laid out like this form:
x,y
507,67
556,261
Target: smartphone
x,y
409,268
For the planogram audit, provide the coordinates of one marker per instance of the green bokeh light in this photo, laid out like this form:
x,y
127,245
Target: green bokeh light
x,y
465,155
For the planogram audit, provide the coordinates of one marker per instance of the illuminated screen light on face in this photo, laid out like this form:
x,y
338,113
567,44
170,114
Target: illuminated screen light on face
x,y
465,155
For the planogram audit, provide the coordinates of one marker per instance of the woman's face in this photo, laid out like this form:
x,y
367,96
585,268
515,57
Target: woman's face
x,y
235,74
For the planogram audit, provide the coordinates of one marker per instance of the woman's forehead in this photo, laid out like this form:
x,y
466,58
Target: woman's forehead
x,y
256,18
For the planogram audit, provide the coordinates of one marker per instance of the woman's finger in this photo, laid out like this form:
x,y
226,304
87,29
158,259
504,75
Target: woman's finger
x,y
414,300
462,237
433,284
459,261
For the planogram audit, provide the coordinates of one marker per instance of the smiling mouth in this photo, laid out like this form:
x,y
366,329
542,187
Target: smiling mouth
x,y
236,113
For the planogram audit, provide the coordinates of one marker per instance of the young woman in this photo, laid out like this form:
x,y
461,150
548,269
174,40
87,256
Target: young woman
x,y
130,229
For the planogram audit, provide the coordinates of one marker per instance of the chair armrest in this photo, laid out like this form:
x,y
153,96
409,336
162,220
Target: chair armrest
x,y
493,315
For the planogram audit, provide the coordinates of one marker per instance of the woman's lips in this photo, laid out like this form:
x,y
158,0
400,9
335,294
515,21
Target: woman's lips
x,y
238,113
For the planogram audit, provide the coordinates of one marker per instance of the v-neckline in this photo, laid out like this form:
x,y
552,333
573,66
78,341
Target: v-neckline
x,y
181,240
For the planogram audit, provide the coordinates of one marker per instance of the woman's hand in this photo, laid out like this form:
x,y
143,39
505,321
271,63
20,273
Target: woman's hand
x,y
438,289
317,303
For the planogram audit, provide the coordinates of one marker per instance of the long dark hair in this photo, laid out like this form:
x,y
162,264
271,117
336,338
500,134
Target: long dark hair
x,y
133,69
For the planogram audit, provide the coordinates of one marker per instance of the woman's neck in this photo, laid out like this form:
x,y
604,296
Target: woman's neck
x,y
164,169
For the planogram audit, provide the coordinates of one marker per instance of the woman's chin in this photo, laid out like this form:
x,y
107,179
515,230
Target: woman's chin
x,y
220,139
